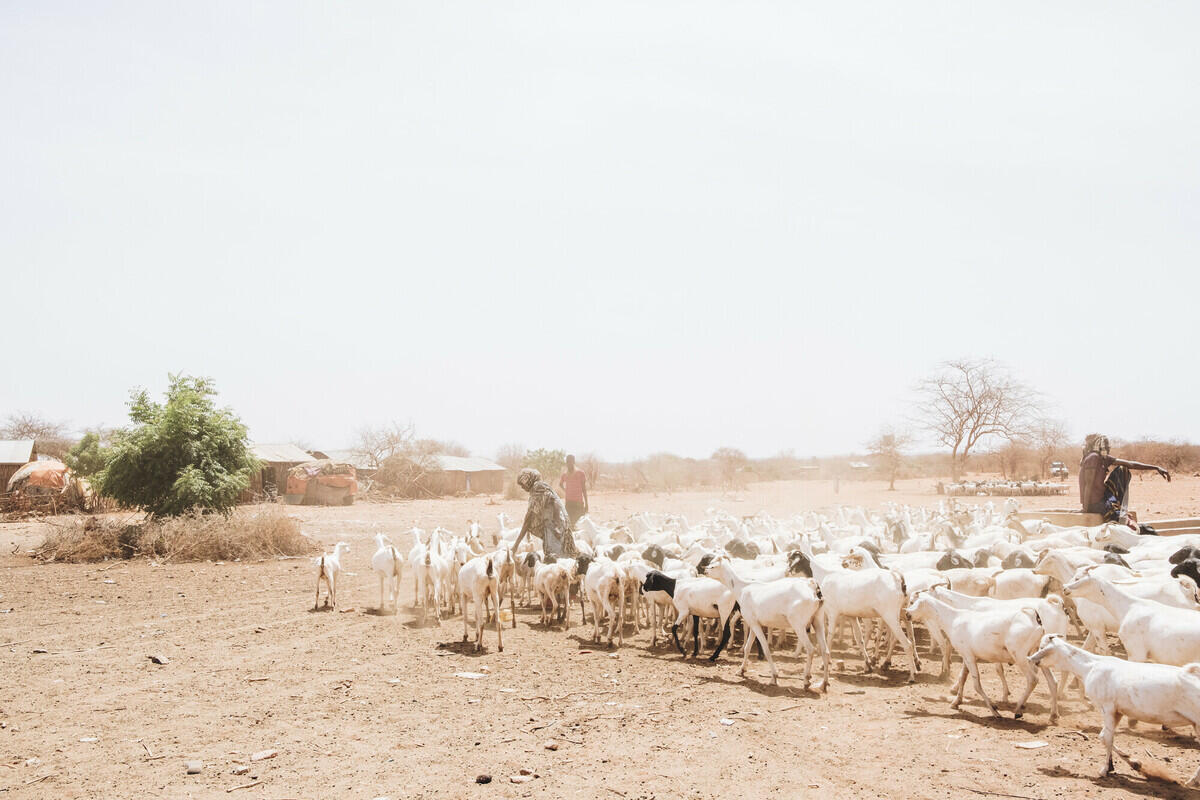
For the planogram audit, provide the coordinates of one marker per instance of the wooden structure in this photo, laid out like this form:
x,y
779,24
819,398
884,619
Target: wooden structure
x,y
14,454
459,475
1062,516
271,480
1175,527
1164,527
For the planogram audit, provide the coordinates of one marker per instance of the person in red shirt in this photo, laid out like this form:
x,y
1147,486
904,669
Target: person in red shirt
x,y
574,485
1104,480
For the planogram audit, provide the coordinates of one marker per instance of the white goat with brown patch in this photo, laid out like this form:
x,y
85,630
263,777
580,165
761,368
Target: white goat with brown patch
x,y
478,580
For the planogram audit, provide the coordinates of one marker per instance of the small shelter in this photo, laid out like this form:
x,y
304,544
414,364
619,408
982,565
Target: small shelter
x,y
40,478
277,460
14,454
456,474
362,465
323,482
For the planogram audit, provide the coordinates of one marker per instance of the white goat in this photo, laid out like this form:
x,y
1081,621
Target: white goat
x,y
783,603
477,579
1003,635
329,566
604,585
1155,693
553,585
390,567
864,590
1150,631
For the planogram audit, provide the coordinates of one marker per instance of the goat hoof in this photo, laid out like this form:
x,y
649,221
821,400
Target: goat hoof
x,y
1018,714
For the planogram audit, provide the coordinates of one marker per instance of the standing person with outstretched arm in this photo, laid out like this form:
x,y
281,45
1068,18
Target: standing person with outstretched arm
x,y
573,482
1102,491
545,518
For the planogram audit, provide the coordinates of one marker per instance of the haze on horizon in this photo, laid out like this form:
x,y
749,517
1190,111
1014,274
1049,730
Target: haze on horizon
x,y
615,228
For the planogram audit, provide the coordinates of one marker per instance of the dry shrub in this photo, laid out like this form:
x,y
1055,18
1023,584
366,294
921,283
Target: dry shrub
x,y
243,535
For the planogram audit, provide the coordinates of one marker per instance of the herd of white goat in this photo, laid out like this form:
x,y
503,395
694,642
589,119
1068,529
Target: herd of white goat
x,y
991,588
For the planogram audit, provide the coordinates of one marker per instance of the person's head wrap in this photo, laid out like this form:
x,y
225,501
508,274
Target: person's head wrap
x,y
527,477
1095,443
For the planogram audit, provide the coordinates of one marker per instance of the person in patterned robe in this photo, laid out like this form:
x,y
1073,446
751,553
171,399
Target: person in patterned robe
x,y
546,518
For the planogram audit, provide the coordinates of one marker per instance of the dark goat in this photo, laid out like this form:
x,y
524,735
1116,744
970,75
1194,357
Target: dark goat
x,y
655,555
703,563
1116,548
798,564
739,549
1017,559
981,558
1190,567
1183,554
531,560
1115,558
953,560
658,582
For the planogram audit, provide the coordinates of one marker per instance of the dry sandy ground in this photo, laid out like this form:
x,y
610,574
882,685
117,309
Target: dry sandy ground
x,y
361,705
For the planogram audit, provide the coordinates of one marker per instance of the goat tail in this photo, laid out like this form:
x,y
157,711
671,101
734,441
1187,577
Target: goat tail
x,y
321,569
817,590
490,571
427,558
395,563
1191,674
900,576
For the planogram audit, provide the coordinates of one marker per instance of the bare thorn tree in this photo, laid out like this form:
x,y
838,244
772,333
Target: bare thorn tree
x,y
1049,437
511,456
50,437
968,401
888,448
378,444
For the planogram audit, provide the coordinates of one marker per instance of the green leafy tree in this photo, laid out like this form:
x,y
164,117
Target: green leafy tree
x,y
180,456
550,463
88,456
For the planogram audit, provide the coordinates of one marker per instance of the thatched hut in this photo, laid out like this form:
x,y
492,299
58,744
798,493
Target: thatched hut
x,y
277,460
14,454
470,475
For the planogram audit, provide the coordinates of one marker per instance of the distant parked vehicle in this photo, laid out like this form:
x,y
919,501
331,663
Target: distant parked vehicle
x,y
1058,470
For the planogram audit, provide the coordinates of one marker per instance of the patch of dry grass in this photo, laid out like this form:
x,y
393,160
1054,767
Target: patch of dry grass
x,y
245,534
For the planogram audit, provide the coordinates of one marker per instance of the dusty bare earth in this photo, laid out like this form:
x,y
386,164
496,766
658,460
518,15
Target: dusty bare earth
x,y
362,705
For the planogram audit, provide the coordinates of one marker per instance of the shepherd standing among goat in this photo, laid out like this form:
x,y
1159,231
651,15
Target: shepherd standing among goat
x,y
573,482
546,518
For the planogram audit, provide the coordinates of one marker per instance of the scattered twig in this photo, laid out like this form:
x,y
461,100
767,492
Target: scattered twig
x,y
244,786
568,694
788,708
11,644
996,794
84,650
614,791
38,780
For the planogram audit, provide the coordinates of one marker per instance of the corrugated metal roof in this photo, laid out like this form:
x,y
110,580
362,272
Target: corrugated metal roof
x,y
276,453
471,464
350,457
16,451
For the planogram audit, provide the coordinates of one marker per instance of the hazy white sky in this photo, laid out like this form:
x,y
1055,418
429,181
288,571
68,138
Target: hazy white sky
x,y
612,227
